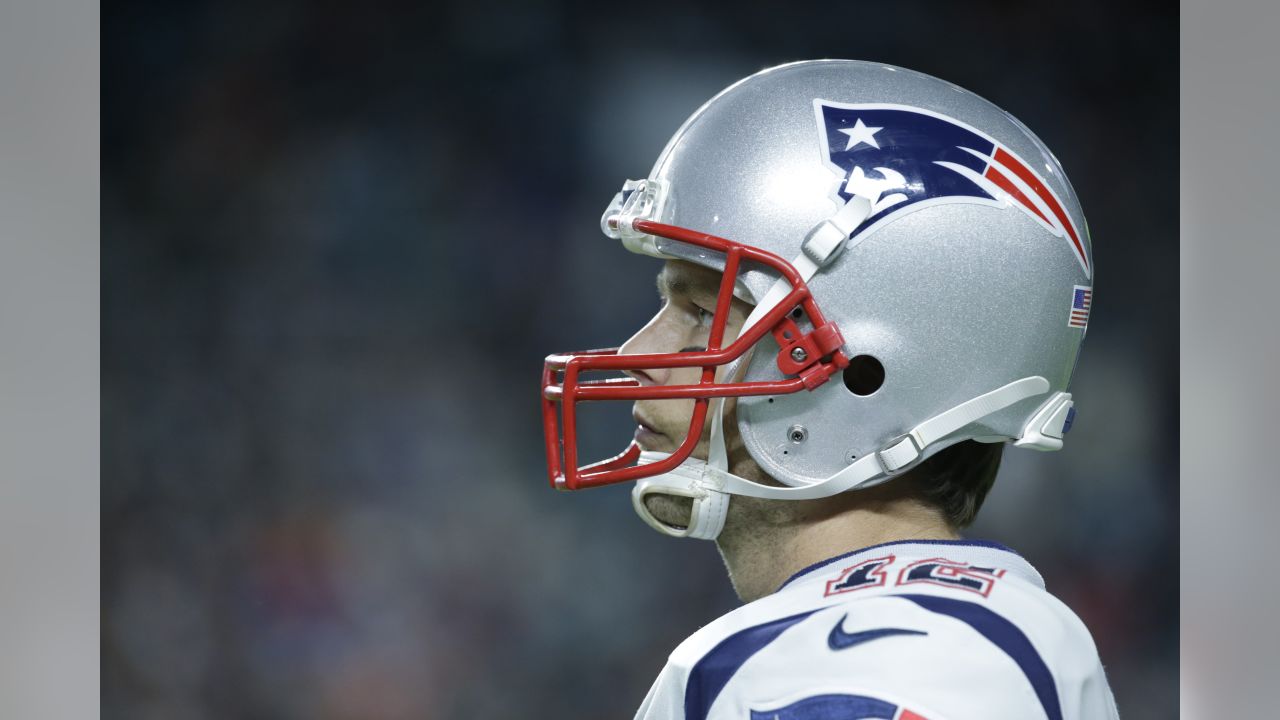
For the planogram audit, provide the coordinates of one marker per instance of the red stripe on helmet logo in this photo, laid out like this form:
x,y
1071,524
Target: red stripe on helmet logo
x,y
1025,174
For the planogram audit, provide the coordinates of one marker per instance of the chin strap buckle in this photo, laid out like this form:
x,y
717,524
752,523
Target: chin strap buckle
x,y
899,454
1045,430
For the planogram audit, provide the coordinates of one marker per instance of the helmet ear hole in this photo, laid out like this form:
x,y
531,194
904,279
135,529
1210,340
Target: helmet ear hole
x,y
864,375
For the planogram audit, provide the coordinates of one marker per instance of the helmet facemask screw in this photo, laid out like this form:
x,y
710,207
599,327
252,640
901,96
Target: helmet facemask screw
x,y
799,355
797,434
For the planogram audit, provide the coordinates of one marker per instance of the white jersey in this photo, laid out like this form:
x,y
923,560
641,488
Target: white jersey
x,y
916,630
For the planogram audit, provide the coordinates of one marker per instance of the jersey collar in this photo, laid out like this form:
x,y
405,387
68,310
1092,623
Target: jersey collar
x,y
974,552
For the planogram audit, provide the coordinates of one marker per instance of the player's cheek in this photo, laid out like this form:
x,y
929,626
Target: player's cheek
x,y
671,417
685,376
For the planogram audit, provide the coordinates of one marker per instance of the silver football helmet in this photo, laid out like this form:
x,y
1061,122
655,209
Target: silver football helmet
x,y
899,236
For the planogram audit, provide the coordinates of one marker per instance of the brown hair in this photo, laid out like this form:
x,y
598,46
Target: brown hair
x,y
957,479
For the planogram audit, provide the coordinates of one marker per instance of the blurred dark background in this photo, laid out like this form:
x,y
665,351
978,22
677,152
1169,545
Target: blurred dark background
x,y
338,240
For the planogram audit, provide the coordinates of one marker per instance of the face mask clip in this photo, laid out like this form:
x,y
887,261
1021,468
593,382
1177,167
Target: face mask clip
x,y
638,200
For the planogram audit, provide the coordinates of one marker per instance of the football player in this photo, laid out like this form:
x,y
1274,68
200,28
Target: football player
x,y
873,281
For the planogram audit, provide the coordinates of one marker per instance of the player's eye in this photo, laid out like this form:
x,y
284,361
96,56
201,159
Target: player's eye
x,y
705,317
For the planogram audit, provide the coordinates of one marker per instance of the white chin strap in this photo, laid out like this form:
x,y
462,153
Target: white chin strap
x,y
709,484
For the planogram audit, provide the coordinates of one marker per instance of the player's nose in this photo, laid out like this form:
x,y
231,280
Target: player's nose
x,y
649,340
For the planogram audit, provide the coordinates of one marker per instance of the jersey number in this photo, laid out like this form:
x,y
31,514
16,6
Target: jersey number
x,y
868,573
948,573
936,571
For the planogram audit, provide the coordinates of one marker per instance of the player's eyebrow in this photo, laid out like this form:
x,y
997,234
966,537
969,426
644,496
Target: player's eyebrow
x,y
687,282
668,285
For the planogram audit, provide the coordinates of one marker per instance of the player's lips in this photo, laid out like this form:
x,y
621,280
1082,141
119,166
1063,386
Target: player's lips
x,y
647,436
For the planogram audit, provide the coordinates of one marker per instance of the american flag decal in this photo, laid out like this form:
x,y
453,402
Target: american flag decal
x,y
1081,300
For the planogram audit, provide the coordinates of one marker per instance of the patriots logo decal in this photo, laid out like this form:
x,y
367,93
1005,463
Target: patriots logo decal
x,y
900,156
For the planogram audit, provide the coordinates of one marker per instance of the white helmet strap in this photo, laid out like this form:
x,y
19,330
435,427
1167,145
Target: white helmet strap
x,y
710,486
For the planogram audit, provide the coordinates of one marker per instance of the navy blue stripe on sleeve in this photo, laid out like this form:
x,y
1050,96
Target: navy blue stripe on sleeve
x,y
1004,635
714,670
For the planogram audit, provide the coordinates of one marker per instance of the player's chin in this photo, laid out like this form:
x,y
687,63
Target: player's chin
x,y
671,510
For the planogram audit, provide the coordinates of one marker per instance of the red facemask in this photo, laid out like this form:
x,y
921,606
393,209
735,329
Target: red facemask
x,y
806,360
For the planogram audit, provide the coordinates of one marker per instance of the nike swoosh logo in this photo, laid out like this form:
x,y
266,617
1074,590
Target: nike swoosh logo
x,y
841,640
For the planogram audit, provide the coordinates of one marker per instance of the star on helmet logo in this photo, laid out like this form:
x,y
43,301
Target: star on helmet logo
x,y
859,134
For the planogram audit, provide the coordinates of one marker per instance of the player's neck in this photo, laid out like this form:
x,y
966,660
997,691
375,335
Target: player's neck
x,y
768,548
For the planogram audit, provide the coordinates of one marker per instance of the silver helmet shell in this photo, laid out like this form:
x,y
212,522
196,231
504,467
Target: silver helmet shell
x,y
953,296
